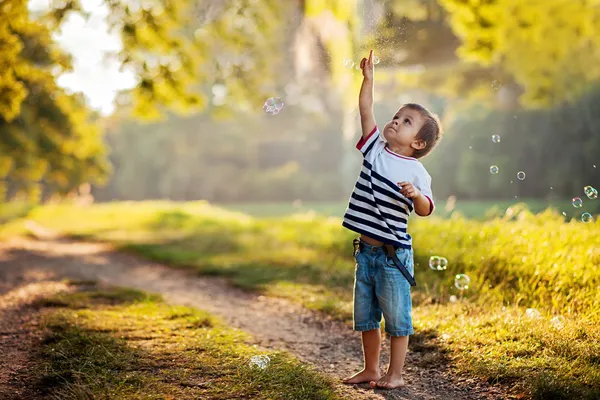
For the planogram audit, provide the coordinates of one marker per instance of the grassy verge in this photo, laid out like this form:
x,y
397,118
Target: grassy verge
x,y
122,343
516,262
472,209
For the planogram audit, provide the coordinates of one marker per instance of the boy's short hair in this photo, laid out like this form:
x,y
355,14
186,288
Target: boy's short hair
x,y
430,132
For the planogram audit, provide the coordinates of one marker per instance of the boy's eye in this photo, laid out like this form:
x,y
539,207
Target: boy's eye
x,y
395,117
406,120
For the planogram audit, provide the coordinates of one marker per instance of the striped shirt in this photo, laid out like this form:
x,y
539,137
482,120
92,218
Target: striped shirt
x,y
376,207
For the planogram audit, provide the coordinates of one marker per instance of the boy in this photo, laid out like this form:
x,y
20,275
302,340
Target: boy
x,y
391,184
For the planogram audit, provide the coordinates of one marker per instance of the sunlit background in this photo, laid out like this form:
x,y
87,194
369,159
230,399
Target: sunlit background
x,y
191,131
177,112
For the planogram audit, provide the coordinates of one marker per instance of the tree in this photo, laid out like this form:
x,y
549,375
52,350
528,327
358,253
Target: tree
x,y
48,136
550,47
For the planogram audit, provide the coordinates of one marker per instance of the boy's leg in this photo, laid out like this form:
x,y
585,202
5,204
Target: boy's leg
x,y
371,341
393,378
367,316
393,293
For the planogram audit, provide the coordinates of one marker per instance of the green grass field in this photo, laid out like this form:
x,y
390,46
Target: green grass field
x,y
516,262
472,209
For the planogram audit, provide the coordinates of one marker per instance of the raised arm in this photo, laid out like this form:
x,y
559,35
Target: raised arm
x,y
365,98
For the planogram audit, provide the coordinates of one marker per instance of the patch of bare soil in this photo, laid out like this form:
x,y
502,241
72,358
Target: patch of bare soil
x,y
331,346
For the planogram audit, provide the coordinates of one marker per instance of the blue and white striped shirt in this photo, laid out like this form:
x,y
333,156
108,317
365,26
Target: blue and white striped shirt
x,y
376,207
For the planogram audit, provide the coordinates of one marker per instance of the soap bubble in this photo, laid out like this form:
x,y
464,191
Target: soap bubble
x,y
496,138
453,299
376,60
437,263
494,169
590,192
533,313
462,281
348,63
558,322
586,217
577,202
273,105
260,362
521,175
496,85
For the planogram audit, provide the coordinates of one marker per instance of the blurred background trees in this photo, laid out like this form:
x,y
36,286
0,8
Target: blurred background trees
x,y
193,126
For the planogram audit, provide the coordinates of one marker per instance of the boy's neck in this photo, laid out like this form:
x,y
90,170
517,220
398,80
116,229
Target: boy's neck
x,y
403,151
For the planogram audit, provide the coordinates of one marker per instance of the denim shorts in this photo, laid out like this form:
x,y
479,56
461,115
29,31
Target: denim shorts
x,y
381,289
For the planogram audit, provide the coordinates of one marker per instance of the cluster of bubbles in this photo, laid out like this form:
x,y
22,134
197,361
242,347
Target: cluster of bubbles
x,y
273,105
494,168
461,281
591,194
260,362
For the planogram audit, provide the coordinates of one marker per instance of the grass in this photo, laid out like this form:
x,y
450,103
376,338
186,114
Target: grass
x,y
123,343
471,209
515,262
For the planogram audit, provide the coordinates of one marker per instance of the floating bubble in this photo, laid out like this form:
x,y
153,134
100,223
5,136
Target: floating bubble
x,y
494,169
260,362
558,322
533,313
496,138
590,192
273,105
496,85
521,175
462,281
453,299
348,63
586,217
376,60
438,263
564,213
577,202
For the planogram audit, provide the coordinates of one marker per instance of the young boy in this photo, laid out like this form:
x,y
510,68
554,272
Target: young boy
x,y
391,184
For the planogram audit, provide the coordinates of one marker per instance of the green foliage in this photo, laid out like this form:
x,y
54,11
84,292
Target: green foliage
x,y
46,135
551,48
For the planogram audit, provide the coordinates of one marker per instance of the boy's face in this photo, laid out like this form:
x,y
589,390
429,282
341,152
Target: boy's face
x,y
402,130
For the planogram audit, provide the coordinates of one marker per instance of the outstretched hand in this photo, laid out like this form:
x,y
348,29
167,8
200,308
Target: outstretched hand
x,y
366,65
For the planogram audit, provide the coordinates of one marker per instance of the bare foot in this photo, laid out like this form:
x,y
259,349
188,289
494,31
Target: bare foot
x,y
389,381
362,377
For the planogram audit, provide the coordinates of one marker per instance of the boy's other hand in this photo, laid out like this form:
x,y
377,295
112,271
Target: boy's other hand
x,y
366,64
408,190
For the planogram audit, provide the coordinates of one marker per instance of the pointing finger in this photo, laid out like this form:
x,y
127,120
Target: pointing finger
x,y
371,56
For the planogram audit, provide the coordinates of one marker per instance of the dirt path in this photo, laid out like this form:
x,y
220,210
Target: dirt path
x,y
275,323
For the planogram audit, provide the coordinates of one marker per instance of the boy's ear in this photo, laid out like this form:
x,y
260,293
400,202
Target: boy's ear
x,y
418,144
